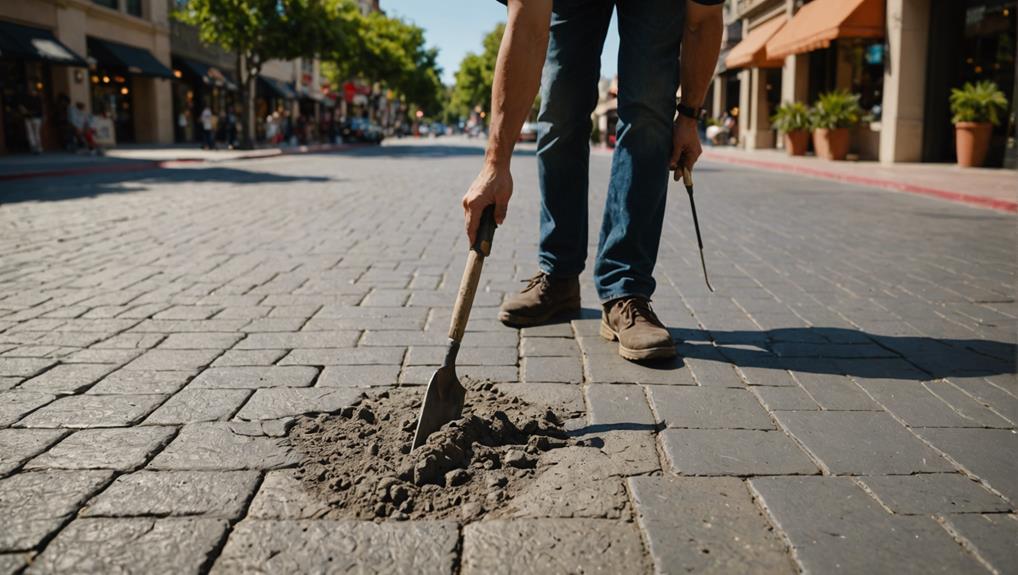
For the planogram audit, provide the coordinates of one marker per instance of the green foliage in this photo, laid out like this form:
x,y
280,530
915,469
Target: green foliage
x,y
980,102
837,109
379,48
475,76
260,30
791,117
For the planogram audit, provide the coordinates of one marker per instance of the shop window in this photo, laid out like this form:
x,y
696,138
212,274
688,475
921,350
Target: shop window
x,y
111,4
867,60
134,8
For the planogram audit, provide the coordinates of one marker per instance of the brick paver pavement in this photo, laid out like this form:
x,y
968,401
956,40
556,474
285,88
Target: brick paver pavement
x,y
847,399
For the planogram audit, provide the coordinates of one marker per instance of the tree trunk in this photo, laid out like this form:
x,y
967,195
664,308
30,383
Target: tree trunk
x,y
247,75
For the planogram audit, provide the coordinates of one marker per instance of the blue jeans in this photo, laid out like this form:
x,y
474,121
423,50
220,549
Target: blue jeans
x,y
650,33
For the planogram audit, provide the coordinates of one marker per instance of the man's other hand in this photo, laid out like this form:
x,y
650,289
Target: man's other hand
x,y
494,185
686,147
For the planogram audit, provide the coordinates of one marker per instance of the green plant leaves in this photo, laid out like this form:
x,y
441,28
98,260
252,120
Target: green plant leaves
x,y
979,102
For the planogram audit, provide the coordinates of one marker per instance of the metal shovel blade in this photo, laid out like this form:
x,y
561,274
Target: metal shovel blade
x,y
443,402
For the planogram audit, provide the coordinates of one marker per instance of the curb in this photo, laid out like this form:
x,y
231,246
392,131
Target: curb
x,y
997,204
145,165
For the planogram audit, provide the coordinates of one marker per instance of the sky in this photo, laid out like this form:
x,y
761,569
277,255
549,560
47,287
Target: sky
x,y
457,27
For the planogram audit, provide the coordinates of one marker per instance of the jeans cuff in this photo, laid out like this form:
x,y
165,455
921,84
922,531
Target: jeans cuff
x,y
619,295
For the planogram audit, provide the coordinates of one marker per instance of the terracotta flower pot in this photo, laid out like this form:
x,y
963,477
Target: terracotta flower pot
x,y
972,141
796,142
831,144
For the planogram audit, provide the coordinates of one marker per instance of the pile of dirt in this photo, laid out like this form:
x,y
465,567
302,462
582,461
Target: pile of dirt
x,y
359,460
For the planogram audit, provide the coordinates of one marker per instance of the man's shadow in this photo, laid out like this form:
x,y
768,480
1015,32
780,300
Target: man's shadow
x,y
839,351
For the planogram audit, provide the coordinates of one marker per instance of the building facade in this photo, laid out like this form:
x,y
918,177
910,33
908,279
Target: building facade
x,y
902,57
113,56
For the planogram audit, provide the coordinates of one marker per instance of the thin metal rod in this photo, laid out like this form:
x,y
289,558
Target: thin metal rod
x,y
699,239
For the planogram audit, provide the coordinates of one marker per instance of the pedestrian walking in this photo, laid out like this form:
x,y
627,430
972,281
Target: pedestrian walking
x,y
31,110
208,126
655,134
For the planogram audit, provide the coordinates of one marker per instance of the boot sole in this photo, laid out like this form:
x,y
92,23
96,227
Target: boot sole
x,y
513,320
663,352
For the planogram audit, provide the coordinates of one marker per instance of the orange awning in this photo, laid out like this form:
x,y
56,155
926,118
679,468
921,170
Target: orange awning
x,y
751,52
817,23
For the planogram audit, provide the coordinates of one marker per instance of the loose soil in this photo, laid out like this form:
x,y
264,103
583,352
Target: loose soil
x,y
359,460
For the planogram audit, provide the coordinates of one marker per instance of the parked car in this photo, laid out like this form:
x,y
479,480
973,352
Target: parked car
x,y
529,132
361,130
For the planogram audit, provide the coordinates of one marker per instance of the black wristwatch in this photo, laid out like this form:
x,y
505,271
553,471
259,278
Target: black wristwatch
x,y
688,111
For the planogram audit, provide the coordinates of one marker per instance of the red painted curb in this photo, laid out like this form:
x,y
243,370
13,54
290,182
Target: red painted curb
x,y
992,203
143,165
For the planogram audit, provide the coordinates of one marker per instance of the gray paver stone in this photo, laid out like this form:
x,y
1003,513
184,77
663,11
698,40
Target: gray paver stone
x,y
93,411
198,405
358,376
622,406
19,445
934,493
353,356
174,359
861,442
742,452
836,392
217,341
563,398
254,377
168,493
114,448
784,398
249,357
552,370
416,547
303,340
137,545
583,482
287,402
552,546
993,537
70,378
142,381
216,446
34,504
709,408
15,404
988,453
833,524
282,496
699,525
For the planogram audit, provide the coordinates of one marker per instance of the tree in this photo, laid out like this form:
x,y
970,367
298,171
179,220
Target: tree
x,y
475,76
262,30
391,51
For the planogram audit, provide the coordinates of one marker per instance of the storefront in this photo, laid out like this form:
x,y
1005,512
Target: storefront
x,y
273,96
120,72
28,56
759,79
970,41
196,86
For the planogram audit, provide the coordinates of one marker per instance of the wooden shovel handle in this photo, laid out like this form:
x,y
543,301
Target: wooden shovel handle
x,y
472,274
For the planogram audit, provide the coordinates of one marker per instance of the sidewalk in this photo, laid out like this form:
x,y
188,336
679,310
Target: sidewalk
x,y
984,187
137,158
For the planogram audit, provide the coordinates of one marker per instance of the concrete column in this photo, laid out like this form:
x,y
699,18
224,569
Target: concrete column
x,y
901,129
759,133
795,79
719,96
745,88
70,30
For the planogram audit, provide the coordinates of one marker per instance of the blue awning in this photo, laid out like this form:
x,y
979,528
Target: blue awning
x,y
138,61
28,43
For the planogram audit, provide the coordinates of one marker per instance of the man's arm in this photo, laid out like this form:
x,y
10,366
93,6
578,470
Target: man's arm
x,y
701,44
517,78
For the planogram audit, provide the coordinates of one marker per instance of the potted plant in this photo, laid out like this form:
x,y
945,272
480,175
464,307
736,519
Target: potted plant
x,y
792,120
831,117
976,109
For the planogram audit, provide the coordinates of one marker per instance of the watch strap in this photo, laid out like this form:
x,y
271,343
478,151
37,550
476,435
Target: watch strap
x,y
688,111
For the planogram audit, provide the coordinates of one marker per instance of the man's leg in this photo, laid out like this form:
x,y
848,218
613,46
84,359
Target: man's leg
x,y
568,97
650,35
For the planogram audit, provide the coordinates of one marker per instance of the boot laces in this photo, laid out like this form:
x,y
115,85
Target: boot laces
x,y
541,279
635,309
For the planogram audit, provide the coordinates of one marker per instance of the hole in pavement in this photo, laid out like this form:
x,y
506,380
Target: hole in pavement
x,y
359,461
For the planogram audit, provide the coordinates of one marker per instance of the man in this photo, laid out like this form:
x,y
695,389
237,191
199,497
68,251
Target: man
x,y
31,110
652,139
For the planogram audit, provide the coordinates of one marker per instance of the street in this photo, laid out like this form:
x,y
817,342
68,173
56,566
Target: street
x,y
846,400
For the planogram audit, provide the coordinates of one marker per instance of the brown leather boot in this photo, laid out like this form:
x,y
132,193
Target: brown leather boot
x,y
543,298
640,333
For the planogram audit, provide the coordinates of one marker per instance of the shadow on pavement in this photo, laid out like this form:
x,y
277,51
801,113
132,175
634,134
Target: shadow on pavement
x,y
428,151
841,351
91,185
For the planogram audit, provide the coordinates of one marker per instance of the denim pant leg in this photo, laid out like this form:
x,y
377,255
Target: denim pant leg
x,y
568,96
650,35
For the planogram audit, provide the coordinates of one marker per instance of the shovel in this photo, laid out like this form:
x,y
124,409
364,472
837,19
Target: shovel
x,y
443,400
